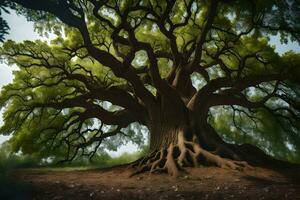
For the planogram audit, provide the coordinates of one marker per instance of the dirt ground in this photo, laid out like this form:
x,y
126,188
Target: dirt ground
x,y
197,183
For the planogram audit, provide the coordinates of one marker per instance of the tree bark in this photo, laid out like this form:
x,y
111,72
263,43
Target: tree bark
x,y
177,141
181,137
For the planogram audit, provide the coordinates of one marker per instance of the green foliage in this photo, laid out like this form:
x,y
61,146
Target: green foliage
x,y
10,160
39,83
263,131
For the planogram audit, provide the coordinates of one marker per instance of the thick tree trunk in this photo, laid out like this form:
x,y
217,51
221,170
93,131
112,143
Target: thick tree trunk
x,y
175,143
181,140
163,137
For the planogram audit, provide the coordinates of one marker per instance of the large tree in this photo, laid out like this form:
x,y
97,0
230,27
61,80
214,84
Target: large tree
x,y
194,72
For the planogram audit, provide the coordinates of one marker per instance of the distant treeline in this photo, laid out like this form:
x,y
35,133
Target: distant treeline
x,y
9,161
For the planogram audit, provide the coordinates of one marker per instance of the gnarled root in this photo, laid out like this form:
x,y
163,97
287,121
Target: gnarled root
x,y
184,154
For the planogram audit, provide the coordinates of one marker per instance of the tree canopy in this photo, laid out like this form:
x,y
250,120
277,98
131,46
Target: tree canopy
x,y
118,64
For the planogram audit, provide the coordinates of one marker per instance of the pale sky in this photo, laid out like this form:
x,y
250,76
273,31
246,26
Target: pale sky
x,y
21,29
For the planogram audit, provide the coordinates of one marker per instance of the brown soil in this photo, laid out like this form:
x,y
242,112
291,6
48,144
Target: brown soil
x,y
197,183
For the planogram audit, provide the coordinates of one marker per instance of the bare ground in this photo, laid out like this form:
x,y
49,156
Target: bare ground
x,y
197,183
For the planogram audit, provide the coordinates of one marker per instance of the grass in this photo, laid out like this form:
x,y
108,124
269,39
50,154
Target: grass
x,y
11,162
102,162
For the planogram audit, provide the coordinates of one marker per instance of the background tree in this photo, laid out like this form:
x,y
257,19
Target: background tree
x,y
184,69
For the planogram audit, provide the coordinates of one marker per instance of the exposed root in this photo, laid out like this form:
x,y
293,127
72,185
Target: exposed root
x,y
156,164
184,154
170,163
